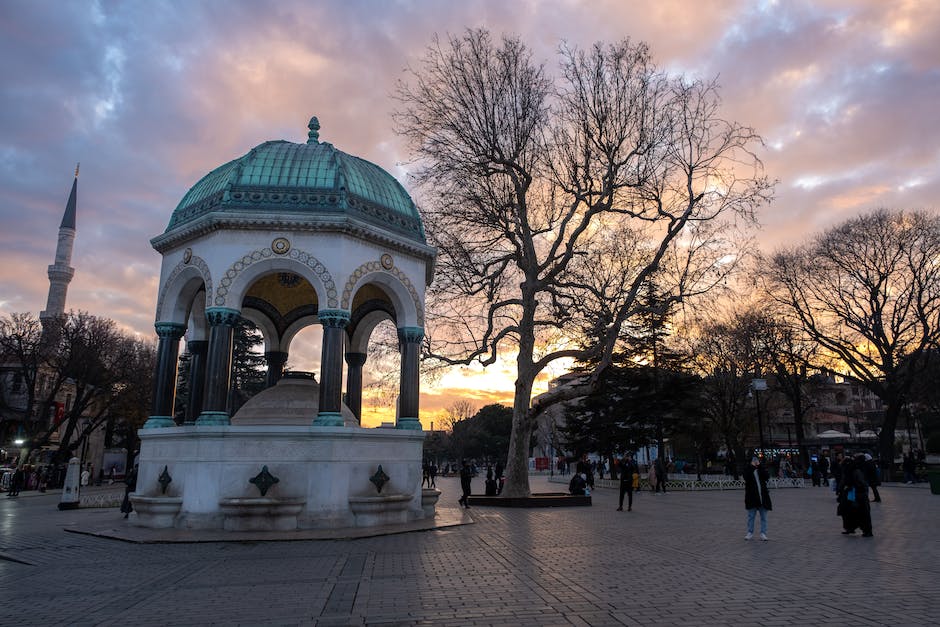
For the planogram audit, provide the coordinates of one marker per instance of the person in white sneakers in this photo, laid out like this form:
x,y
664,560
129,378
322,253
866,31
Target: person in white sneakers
x,y
756,497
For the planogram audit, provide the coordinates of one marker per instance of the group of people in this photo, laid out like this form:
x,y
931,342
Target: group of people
x,y
853,476
28,477
429,474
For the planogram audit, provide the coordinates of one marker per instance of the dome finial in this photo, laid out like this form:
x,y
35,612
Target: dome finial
x,y
313,137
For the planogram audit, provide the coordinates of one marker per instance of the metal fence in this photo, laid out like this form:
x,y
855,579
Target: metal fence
x,y
691,482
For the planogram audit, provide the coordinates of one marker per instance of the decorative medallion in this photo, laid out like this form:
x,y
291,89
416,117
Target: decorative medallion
x,y
379,479
281,246
264,480
187,255
387,261
164,480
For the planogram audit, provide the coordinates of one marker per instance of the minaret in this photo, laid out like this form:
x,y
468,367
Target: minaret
x,y
60,272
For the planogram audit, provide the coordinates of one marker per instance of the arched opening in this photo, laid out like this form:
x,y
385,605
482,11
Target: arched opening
x,y
381,376
305,349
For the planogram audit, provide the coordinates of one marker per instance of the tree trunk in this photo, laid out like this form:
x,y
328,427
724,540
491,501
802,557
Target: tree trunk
x,y
517,466
886,439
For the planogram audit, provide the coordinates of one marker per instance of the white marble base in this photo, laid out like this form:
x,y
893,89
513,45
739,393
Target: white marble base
x,y
320,467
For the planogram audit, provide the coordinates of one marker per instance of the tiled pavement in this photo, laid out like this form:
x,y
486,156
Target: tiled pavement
x,y
678,559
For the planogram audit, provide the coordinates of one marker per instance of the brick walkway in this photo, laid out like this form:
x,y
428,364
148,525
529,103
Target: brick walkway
x,y
676,559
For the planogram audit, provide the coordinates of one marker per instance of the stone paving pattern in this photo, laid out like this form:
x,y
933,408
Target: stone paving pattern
x,y
677,559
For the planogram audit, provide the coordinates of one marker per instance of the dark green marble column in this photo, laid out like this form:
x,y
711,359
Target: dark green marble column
x,y
409,341
334,323
354,363
222,321
275,361
197,378
164,379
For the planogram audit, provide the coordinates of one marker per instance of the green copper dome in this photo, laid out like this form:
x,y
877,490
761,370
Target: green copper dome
x,y
313,179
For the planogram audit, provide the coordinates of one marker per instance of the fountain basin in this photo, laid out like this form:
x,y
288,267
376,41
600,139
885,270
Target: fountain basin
x,y
260,514
156,512
371,511
429,497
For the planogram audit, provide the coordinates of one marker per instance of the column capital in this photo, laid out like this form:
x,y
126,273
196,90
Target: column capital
x,y
356,359
333,318
222,316
411,335
170,330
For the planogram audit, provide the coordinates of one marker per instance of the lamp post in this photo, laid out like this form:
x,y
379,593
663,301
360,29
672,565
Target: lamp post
x,y
759,385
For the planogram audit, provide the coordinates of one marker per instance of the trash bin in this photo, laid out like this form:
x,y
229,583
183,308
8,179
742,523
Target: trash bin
x,y
933,476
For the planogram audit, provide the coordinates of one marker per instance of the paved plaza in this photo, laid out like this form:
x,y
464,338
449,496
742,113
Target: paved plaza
x,y
678,559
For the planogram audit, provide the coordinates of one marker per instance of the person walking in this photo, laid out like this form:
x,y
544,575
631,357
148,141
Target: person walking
x,y
432,473
627,468
756,497
466,474
16,482
871,477
661,476
130,485
651,478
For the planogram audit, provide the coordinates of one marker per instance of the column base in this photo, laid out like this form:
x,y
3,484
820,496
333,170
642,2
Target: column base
x,y
213,418
329,419
411,424
158,422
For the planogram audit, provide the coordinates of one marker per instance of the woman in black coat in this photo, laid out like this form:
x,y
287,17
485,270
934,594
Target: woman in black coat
x,y
756,498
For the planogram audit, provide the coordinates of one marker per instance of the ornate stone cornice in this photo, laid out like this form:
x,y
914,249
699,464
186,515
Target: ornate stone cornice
x,y
291,223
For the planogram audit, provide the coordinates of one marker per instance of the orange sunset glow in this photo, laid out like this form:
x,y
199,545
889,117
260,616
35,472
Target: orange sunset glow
x,y
149,98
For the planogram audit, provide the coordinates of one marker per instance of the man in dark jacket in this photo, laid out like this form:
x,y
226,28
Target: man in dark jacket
x,y
756,497
627,468
466,474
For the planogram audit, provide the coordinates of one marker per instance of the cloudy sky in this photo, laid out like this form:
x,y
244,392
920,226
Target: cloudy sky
x,y
151,95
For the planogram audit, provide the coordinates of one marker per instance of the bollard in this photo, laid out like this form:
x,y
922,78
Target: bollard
x,y
70,495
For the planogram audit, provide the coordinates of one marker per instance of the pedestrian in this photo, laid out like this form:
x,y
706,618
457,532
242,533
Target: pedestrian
x,y
651,478
756,497
86,477
130,485
838,465
16,482
854,507
910,467
432,473
425,474
466,474
627,469
661,476
824,468
813,471
871,476
489,487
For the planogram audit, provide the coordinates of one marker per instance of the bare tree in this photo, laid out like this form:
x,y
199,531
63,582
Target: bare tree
x,y
86,358
525,177
458,411
868,292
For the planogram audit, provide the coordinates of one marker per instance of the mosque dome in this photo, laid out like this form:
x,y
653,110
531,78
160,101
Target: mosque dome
x,y
312,182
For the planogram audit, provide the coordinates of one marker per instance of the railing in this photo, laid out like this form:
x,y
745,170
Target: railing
x,y
690,482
